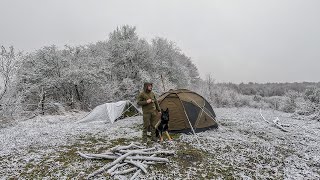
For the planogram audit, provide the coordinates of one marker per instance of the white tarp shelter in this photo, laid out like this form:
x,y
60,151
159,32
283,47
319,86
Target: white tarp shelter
x,y
109,112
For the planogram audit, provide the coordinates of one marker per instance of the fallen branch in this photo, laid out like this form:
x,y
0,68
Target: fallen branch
x,y
150,153
264,118
124,171
116,167
148,149
97,156
278,125
275,123
132,145
139,165
139,171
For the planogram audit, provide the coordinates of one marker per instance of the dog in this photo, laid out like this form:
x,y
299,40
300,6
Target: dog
x,y
162,126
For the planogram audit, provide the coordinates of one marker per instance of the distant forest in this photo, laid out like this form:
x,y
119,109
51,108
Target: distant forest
x,y
270,89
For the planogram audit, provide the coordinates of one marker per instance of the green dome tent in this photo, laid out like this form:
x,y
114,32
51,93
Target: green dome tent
x,y
188,111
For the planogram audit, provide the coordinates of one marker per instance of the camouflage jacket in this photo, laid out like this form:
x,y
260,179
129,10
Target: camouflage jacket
x,y
142,100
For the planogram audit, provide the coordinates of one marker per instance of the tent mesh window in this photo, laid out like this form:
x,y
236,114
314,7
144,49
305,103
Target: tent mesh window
x,y
192,112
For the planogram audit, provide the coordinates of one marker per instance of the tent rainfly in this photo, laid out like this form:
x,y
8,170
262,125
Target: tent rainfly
x,y
109,111
188,111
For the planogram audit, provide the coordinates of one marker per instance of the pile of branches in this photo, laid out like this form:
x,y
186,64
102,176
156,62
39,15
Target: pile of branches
x,y
128,159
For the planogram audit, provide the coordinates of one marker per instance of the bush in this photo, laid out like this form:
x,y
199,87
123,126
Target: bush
x,y
308,105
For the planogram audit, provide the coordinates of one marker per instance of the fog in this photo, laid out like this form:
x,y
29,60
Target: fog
x,y
234,41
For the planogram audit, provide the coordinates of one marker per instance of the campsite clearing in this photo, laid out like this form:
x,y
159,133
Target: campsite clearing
x,y
243,146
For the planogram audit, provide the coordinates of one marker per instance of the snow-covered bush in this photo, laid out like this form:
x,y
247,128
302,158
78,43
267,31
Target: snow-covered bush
x,y
308,106
289,104
274,101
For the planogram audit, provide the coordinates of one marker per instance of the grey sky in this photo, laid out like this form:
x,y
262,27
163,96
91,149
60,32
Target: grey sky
x,y
234,40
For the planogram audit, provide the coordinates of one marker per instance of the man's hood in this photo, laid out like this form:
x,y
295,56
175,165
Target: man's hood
x,y
145,85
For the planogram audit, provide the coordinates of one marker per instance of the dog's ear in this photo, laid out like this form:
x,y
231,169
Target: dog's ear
x,y
167,110
161,110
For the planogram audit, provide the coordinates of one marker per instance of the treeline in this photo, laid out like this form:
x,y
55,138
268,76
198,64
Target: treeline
x,y
270,89
109,70
301,99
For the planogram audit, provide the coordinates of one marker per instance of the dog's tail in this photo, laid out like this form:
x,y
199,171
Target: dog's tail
x,y
158,123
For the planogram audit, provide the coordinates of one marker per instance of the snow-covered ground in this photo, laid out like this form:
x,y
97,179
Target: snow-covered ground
x,y
244,146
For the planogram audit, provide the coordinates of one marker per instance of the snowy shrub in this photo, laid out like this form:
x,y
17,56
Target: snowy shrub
x,y
289,104
274,101
244,101
313,95
308,106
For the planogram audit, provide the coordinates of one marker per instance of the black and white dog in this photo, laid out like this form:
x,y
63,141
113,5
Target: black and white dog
x,y
162,126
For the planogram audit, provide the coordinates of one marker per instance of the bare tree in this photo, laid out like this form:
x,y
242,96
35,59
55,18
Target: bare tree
x,y
210,83
8,64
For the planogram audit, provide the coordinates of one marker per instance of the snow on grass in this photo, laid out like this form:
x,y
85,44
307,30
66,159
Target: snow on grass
x,y
249,147
244,146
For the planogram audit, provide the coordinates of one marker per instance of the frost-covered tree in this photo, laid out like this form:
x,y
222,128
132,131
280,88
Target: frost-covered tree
x,y
170,62
9,97
110,70
9,63
131,60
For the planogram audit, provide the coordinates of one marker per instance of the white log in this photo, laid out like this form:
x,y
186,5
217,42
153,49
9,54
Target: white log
x,y
138,171
85,155
149,149
139,165
115,167
124,171
132,145
150,163
97,156
107,153
158,159
148,153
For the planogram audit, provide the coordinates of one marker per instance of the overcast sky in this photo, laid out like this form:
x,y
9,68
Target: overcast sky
x,y
234,40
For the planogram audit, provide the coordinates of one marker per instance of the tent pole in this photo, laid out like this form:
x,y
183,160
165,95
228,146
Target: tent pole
x,y
194,133
197,121
135,107
202,109
131,104
125,110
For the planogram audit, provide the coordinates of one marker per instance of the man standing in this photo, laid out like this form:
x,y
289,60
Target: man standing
x,y
150,109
